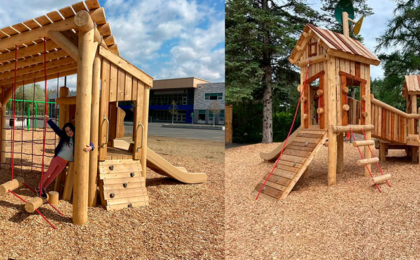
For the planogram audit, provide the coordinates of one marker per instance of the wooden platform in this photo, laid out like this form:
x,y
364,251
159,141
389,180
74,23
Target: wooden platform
x,y
295,160
118,154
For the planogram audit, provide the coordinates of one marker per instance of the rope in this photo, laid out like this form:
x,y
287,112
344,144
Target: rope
x,y
45,112
288,135
14,114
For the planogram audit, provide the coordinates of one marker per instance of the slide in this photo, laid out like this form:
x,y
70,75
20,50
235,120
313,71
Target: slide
x,y
161,166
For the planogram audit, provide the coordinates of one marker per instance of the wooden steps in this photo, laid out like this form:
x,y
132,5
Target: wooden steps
x,y
121,184
363,162
295,160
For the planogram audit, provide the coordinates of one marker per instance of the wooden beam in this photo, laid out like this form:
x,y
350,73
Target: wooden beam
x,y
64,43
40,73
392,109
353,57
87,50
66,101
83,21
36,68
114,49
316,59
105,29
125,65
109,40
31,50
98,16
35,34
10,88
355,128
33,61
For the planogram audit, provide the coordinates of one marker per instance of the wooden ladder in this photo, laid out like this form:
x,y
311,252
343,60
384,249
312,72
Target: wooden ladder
x,y
376,181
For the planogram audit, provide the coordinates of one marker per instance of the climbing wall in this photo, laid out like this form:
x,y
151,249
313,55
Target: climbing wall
x,y
295,160
121,184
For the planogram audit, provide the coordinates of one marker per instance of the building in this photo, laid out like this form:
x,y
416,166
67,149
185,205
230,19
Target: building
x,y
193,97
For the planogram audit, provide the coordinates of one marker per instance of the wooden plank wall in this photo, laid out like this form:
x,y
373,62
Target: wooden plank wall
x,y
389,126
228,123
117,85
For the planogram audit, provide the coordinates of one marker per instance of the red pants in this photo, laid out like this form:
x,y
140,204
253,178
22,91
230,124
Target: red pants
x,y
57,165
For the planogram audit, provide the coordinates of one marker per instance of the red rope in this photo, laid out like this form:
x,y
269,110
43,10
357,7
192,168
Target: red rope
x,y
33,126
377,163
45,122
14,114
36,209
288,135
361,156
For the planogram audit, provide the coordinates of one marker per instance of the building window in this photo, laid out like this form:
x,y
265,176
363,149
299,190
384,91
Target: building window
x,y
213,96
222,116
202,115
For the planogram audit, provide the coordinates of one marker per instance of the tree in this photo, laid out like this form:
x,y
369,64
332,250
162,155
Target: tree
x,y
173,110
29,95
260,36
215,110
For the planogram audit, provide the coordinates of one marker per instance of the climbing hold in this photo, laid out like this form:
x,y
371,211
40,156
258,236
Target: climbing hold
x,y
111,167
112,195
132,174
130,205
125,185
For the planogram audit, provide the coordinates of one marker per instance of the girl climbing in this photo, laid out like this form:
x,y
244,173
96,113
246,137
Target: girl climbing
x,y
63,153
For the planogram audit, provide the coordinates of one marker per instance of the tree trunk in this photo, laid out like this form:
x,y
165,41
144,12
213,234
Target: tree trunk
x,y
267,81
172,118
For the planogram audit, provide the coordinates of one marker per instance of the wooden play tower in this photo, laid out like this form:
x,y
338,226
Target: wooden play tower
x,y
78,40
333,64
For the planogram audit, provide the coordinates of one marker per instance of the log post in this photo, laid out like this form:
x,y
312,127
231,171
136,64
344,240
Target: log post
x,y
340,153
93,159
146,124
64,92
87,51
35,203
53,197
332,121
10,185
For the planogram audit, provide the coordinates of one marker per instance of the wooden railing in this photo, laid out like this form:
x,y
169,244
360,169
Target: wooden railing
x,y
390,124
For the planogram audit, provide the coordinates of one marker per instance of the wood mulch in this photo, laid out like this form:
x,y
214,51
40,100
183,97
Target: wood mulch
x,y
182,221
350,220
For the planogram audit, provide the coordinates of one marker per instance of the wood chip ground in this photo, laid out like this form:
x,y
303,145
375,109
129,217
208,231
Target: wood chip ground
x,y
351,220
182,222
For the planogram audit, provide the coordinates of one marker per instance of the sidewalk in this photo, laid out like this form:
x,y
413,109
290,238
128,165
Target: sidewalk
x,y
191,126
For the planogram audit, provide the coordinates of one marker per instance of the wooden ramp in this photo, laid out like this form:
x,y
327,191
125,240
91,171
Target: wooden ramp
x,y
293,163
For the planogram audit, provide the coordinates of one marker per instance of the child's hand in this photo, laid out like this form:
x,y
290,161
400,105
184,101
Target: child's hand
x,y
88,148
46,117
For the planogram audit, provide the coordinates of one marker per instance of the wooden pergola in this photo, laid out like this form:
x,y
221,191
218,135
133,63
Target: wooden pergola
x,y
78,40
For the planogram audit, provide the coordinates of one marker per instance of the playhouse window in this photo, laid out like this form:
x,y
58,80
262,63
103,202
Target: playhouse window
x,y
312,48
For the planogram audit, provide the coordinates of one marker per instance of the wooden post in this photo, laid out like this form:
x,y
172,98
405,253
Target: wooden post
x,y
346,24
68,186
340,153
87,51
53,198
64,92
93,159
382,151
332,120
146,124
3,132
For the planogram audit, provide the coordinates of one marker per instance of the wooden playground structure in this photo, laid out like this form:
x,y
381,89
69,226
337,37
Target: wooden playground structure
x,y
78,40
331,64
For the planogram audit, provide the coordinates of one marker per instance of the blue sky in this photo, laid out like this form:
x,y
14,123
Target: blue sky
x,y
164,38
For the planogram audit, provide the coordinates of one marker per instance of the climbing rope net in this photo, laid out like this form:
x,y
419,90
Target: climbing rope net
x,y
32,156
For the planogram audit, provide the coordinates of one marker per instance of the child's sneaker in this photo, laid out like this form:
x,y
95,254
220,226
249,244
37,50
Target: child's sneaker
x,y
44,193
37,191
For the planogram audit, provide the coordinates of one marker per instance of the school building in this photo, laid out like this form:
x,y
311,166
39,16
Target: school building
x,y
195,99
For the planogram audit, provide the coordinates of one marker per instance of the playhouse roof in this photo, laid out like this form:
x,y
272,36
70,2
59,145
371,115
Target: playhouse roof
x,y
28,37
336,43
411,85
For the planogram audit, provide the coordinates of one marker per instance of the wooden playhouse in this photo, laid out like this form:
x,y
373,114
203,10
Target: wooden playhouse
x,y
333,64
